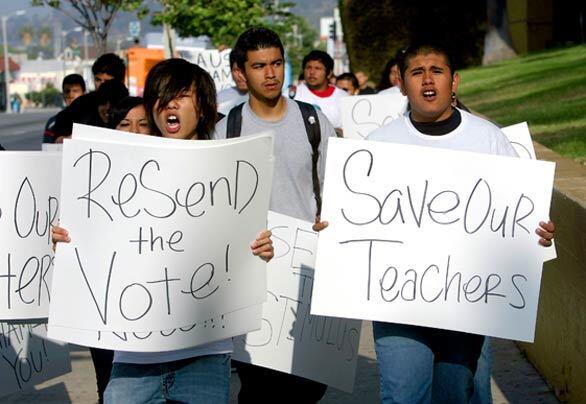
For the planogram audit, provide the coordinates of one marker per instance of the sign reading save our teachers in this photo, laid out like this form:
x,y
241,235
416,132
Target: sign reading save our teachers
x,y
432,237
160,230
29,206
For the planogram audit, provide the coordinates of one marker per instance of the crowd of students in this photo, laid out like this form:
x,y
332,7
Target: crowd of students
x,y
416,364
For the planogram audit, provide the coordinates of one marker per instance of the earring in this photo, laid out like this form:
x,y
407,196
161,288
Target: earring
x,y
454,99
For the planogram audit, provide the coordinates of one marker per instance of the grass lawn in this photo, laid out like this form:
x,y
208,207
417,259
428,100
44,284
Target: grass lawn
x,y
546,89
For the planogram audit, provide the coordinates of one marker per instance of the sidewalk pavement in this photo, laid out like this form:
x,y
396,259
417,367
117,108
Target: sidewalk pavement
x,y
514,380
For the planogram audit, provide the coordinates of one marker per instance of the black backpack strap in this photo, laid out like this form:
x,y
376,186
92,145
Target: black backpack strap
x,y
234,124
312,127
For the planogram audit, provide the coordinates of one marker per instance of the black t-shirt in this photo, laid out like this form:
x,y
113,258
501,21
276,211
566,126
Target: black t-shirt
x,y
439,128
2,148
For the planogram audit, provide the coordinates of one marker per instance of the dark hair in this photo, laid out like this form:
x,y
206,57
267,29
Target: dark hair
x,y
112,91
168,79
111,64
119,111
320,56
425,47
254,39
73,79
349,76
84,109
384,81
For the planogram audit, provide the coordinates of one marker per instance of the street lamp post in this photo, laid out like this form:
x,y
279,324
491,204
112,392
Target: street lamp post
x,y
6,63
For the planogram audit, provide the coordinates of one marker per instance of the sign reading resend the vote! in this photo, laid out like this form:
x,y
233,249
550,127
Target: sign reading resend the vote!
x,y
160,232
432,237
29,206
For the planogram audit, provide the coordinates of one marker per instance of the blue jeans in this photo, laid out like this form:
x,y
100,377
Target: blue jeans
x,y
482,387
200,380
425,365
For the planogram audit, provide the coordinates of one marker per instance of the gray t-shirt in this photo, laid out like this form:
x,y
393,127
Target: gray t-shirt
x,y
292,192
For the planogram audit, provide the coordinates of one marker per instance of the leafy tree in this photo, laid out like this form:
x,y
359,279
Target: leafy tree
x,y
221,20
26,33
299,38
95,16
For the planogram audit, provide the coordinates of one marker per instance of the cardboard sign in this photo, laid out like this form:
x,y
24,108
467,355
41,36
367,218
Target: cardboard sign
x,y
52,147
29,206
222,327
216,63
364,113
520,139
28,358
324,349
432,237
160,233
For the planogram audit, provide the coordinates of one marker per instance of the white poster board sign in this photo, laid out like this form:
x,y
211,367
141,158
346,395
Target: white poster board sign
x,y
212,329
432,237
324,349
27,358
216,63
52,147
160,234
364,113
520,139
29,205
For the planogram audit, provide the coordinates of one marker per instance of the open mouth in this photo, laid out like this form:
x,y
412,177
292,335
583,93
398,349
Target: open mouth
x,y
429,95
173,124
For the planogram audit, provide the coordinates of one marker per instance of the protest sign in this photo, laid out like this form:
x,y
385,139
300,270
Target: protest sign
x,y
520,139
160,234
225,326
216,63
324,349
432,237
52,147
29,205
28,358
364,113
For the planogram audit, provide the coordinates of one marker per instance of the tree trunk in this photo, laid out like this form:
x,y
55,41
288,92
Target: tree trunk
x,y
498,44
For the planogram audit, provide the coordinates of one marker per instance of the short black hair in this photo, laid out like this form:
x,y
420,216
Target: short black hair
x,y
320,56
254,39
349,76
168,79
119,111
73,79
84,109
425,47
111,92
111,64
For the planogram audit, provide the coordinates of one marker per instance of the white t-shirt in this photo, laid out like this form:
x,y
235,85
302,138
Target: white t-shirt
x,y
228,98
474,134
330,106
214,348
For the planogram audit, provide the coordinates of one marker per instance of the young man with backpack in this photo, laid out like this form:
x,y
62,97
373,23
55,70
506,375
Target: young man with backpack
x,y
301,133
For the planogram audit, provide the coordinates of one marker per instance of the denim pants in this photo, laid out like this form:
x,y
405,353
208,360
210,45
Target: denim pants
x,y
420,365
199,380
482,387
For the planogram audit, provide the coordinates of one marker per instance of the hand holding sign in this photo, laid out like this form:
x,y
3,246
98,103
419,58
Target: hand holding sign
x,y
440,245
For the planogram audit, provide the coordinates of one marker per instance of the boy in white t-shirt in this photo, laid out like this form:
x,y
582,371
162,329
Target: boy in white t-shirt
x,y
421,364
317,90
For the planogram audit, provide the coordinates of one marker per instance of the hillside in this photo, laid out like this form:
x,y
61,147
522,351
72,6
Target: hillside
x,y
547,89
